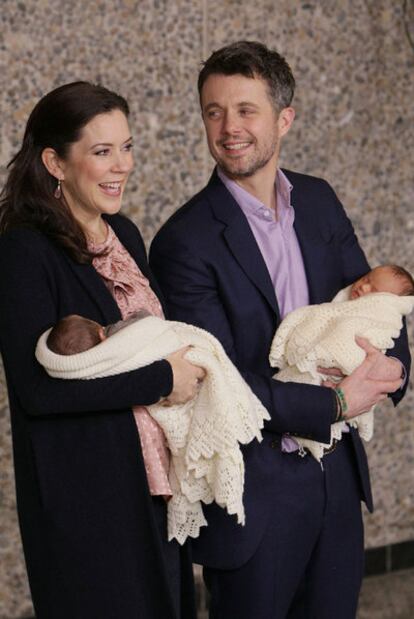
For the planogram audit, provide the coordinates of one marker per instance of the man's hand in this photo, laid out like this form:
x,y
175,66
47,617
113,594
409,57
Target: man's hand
x,y
371,382
336,373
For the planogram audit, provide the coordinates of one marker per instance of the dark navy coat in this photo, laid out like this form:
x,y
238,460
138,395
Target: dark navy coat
x,y
89,535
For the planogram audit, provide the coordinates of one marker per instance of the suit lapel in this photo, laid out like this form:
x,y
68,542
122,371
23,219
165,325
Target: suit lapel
x,y
310,241
240,239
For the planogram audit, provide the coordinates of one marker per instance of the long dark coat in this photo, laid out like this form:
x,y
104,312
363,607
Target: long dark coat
x,y
90,540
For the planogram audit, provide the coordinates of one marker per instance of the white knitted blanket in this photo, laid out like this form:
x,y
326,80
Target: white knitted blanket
x,y
324,335
203,435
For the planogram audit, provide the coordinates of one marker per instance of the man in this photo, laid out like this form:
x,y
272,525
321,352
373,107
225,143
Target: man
x,y
254,244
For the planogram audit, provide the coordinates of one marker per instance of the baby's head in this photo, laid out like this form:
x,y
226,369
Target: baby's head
x,y
74,334
387,278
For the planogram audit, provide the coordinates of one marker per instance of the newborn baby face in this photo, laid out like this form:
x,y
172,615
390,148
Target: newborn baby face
x,y
380,279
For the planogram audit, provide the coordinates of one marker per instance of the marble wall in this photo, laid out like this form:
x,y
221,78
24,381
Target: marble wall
x,y
353,61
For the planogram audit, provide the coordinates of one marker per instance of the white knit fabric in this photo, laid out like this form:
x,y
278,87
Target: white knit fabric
x,y
324,335
203,435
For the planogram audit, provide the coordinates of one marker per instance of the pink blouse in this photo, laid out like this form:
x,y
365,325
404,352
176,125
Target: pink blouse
x,y
132,292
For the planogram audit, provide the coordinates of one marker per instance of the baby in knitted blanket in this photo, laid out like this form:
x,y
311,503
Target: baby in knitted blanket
x,y
324,336
75,334
204,435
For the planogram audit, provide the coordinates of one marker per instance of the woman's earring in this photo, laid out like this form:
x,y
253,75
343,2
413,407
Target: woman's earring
x,y
58,190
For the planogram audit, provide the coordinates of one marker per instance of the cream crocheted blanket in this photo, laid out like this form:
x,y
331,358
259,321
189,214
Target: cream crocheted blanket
x,y
324,335
203,435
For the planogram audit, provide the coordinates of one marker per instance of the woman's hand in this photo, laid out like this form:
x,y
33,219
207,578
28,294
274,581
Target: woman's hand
x,y
186,378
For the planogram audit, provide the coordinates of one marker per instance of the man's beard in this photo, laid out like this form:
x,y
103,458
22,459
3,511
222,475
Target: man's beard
x,y
248,168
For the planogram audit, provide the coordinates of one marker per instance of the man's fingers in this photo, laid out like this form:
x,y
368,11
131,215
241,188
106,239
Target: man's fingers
x,y
390,386
331,372
329,383
365,344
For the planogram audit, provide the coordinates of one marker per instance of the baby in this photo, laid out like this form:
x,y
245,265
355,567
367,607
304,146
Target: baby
x,y
74,334
324,336
388,278
203,435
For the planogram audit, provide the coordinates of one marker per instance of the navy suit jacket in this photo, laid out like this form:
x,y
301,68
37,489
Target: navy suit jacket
x,y
212,274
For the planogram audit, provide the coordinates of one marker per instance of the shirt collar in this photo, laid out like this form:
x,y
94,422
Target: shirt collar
x,y
284,186
249,203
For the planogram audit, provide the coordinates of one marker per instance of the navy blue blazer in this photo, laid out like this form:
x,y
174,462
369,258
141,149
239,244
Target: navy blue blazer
x,y
89,535
212,274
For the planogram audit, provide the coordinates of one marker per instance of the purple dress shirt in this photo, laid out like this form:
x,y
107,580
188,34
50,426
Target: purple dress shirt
x,y
279,246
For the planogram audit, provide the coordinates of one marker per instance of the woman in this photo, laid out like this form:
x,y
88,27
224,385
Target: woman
x,y
93,523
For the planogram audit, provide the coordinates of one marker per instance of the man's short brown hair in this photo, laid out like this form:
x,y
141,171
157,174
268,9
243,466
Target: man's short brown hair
x,y
253,59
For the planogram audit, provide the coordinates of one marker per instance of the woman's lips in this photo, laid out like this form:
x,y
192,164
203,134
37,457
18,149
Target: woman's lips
x,y
111,189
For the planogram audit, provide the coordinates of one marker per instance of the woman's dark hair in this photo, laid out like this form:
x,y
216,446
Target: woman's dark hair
x,y
56,122
253,59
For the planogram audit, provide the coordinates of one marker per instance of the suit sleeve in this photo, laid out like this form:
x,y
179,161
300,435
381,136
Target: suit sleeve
x,y
29,305
401,351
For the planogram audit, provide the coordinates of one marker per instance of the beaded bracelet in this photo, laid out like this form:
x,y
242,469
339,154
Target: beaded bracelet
x,y
342,403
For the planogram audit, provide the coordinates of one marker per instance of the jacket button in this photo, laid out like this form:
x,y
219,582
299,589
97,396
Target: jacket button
x,y
275,444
